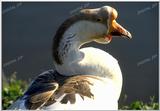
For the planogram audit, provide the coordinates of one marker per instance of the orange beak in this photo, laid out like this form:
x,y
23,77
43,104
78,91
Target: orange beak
x,y
117,30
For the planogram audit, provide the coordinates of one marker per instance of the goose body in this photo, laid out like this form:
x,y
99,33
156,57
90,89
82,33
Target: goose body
x,y
84,78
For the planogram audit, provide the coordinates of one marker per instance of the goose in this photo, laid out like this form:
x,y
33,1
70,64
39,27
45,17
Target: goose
x,y
84,78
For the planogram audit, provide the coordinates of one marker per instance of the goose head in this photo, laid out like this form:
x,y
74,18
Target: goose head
x,y
101,25
88,25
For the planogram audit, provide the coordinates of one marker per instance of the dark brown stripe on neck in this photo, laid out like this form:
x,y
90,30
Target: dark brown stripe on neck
x,y
57,38
65,25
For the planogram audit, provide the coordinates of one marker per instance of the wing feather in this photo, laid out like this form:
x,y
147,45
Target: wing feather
x,y
41,90
49,86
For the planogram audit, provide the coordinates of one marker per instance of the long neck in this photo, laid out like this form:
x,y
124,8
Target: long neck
x,y
72,34
87,61
69,59
68,50
69,38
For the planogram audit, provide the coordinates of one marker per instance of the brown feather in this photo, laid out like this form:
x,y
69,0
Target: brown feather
x,y
56,86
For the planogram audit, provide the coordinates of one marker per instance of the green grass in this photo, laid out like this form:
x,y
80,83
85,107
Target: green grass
x,y
13,89
140,105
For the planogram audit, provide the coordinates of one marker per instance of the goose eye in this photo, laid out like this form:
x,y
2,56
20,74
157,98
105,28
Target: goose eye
x,y
99,20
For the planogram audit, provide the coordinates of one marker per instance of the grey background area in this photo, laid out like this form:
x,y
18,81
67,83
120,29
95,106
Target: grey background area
x,y
28,29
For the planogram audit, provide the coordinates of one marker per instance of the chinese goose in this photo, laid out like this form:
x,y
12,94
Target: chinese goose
x,y
84,78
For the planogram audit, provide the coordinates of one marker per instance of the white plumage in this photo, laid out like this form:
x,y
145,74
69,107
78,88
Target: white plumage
x,y
89,78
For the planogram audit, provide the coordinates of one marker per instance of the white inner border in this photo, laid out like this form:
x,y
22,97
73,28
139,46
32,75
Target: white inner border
x,y
66,1
81,0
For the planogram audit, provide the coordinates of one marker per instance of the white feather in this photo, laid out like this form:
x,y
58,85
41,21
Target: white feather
x,y
105,97
88,61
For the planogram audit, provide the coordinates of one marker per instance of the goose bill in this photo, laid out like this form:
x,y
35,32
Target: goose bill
x,y
117,30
